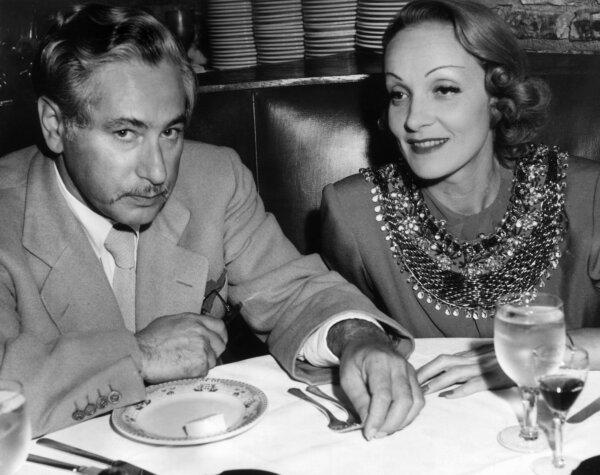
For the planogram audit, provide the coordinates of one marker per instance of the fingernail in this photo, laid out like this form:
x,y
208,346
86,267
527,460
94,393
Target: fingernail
x,y
370,434
425,388
446,393
380,435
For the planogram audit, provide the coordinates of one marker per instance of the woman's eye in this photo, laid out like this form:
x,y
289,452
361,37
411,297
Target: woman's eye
x,y
447,90
397,96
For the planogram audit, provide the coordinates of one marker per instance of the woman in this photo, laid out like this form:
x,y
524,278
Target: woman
x,y
472,212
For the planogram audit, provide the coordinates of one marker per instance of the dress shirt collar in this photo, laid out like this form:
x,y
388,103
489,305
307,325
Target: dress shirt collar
x,y
96,226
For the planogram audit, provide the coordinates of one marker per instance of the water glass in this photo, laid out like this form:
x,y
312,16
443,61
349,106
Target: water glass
x,y
15,429
520,327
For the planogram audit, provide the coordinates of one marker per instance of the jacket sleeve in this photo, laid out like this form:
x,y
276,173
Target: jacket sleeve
x,y
66,377
279,290
338,243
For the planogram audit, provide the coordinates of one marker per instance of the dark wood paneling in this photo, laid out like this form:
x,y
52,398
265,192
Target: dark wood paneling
x,y
310,136
226,119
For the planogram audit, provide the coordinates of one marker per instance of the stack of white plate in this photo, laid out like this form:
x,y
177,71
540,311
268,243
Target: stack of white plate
x,y
372,19
278,32
329,26
230,34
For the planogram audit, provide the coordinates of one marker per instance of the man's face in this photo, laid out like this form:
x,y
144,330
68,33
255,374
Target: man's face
x,y
124,163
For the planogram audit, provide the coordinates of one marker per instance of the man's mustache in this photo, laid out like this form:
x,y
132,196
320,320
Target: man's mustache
x,y
148,191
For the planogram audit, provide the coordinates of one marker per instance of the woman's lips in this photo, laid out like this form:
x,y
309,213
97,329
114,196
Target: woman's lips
x,y
425,146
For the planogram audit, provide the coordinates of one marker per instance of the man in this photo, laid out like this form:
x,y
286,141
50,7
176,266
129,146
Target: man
x,y
110,242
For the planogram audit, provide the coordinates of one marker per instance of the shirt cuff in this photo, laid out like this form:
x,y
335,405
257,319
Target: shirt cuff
x,y
315,349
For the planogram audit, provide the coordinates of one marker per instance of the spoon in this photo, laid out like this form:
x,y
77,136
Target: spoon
x,y
334,424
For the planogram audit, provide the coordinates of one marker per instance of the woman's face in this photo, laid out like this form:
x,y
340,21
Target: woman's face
x,y
439,109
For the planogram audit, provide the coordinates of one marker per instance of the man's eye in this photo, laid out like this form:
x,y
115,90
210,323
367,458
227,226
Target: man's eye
x,y
124,134
171,133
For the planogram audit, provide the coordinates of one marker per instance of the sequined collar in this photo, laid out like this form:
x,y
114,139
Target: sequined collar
x,y
471,277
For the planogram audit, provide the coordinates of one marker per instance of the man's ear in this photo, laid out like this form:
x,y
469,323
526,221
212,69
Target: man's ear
x,y
53,126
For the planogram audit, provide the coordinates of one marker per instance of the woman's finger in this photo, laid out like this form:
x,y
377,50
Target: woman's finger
x,y
452,376
482,350
473,385
439,365
491,380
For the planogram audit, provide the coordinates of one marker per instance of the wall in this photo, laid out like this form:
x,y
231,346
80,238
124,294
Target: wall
x,y
564,26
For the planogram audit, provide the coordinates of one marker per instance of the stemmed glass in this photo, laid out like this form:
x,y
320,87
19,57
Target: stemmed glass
x,y
561,374
520,327
15,430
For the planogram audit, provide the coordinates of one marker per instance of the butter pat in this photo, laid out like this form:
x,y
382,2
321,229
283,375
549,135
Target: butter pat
x,y
205,426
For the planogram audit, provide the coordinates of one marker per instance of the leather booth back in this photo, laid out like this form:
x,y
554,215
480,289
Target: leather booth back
x,y
297,139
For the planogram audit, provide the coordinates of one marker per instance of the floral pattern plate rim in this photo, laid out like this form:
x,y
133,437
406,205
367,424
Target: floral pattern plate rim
x,y
168,406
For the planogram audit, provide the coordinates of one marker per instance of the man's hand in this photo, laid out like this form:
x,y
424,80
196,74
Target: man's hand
x,y
379,381
179,346
473,370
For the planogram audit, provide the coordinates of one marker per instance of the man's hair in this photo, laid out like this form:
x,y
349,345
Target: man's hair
x,y
91,36
522,102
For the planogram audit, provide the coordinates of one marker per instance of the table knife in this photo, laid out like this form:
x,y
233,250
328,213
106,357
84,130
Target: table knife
x,y
125,466
64,465
586,412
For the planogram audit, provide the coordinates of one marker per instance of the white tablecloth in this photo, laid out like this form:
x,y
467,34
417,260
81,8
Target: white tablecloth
x,y
450,436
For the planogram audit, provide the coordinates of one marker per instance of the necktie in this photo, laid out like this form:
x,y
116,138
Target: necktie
x,y
120,242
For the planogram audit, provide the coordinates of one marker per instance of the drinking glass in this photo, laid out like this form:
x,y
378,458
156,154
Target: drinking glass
x,y
15,430
519,328
561,374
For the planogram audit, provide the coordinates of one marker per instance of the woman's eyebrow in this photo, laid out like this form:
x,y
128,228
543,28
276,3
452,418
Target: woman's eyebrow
x,y
444,66
393,75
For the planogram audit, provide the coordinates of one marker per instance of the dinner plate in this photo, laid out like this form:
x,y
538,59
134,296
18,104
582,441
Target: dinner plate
x,y
169,406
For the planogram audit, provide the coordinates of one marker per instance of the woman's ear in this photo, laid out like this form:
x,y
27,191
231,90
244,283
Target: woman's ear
x,y
52,123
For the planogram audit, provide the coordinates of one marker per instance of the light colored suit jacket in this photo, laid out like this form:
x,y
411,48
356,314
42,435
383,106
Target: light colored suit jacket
x,y
61,331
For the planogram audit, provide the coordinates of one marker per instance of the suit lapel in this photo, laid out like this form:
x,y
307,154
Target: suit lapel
x,y
74,288
170,279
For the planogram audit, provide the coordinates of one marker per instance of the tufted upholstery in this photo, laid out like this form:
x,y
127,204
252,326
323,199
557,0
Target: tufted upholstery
x,y
297,139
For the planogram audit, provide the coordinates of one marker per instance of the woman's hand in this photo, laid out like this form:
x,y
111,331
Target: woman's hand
x,y
472,370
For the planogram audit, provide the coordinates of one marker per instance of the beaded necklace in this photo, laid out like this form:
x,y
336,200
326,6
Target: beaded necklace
x,y
471,277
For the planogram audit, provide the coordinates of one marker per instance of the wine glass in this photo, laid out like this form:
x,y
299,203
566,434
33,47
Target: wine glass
x,y
15,430
520,327
561,374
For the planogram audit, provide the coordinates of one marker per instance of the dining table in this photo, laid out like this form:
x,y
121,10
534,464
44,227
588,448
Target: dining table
x,y
449,436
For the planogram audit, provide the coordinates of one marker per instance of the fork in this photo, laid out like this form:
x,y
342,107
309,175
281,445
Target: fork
x,y
334,424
